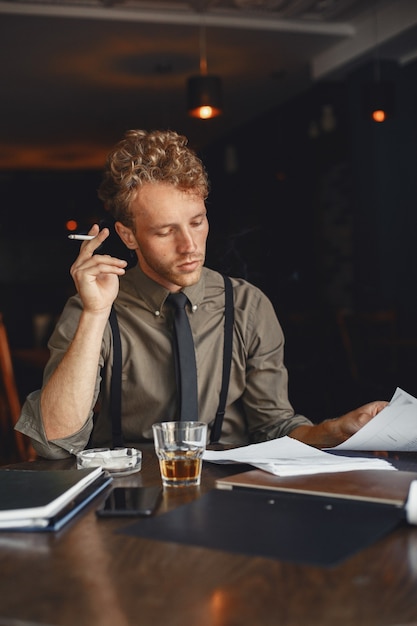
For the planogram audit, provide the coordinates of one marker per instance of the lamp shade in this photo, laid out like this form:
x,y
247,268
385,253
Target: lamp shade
x,y
204,96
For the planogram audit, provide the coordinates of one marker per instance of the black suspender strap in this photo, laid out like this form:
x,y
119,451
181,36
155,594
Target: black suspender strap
x,y
227,359
116,383
116,377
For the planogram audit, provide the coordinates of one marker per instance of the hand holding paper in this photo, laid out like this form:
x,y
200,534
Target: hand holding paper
x,y
393,429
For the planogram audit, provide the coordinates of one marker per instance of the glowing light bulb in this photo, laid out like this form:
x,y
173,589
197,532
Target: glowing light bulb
x,y
379,115
206,112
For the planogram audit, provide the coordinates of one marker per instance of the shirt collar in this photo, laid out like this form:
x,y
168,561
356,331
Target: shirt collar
x,y
136,283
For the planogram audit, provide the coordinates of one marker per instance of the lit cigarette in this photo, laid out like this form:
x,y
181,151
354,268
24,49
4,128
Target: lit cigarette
x,y
81,237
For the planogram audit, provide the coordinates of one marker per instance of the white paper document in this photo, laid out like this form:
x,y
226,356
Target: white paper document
x,y
289,457
393,429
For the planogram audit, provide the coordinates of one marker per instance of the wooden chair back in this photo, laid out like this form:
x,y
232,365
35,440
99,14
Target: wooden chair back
x,y
10,406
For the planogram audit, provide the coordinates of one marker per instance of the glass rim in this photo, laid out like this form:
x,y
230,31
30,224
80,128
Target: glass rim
x,y
177,423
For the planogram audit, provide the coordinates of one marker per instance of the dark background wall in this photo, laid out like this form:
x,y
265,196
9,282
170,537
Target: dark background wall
x,y
314,203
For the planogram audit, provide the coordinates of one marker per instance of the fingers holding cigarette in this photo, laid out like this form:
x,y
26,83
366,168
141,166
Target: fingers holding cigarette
x,y
81,237
94,234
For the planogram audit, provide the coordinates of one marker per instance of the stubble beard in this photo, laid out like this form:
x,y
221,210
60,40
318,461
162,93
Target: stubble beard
x,y
172,276
185,279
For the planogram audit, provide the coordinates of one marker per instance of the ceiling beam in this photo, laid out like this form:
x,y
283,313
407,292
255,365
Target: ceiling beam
x,y
222,20
377,29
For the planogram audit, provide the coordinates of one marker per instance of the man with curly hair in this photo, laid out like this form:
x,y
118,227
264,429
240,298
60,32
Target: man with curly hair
x,y
155,188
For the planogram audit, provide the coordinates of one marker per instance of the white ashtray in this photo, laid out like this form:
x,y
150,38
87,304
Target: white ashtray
x,y
120,461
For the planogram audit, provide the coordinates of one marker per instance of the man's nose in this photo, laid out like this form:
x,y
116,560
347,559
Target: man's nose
x,y
186,240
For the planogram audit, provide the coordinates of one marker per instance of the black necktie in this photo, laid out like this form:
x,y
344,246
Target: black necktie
x,y
184,359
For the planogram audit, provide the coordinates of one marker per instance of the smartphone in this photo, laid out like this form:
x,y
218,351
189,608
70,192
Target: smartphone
x,y
130,502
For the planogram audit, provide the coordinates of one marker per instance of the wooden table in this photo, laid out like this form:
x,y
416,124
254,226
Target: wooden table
x,y
89,575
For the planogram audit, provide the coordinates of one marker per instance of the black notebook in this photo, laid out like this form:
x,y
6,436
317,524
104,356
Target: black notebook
x,y
46,500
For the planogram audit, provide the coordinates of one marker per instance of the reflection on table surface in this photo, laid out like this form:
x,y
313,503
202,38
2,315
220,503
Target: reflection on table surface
x,y
88,574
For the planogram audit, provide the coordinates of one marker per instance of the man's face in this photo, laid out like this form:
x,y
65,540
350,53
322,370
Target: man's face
x,y
170,236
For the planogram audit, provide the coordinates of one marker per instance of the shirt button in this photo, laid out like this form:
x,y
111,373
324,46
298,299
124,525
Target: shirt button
x,y
194,308
157,313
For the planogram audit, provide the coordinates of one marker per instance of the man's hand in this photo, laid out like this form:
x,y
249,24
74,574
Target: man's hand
x,y
66,400
332,432
96,276
351,422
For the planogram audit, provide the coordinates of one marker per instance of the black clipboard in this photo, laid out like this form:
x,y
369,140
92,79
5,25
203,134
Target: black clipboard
x,y
298,528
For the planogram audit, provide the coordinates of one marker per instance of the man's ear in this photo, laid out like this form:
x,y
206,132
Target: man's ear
x,y
126,235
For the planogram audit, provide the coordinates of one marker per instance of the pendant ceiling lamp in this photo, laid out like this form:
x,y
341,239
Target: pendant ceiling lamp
x,y
379,100
378,95
204,91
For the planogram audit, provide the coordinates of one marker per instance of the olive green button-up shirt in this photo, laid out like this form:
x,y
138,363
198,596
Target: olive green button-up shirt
x,y
257,405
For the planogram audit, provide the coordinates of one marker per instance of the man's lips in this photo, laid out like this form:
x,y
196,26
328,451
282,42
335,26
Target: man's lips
x,y
189,265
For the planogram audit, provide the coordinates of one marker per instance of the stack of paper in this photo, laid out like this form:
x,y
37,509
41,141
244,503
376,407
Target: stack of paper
x,y
289,457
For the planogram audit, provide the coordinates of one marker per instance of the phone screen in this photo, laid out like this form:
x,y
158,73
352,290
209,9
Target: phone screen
x,y
130,501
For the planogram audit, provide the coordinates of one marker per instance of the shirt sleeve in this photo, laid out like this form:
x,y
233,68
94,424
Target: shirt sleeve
x,y
268,411
30,422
